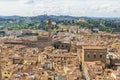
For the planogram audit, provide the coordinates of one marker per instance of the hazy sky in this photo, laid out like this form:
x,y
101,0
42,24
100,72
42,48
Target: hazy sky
x,y
97,8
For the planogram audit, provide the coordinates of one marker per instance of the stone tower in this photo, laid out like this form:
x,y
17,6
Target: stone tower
x,y
45,38
49,27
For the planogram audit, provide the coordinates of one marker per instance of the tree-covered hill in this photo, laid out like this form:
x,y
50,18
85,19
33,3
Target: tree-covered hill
x,y
39,22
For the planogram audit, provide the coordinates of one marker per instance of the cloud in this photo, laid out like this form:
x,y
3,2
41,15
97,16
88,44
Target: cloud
x,y
61,7
27,1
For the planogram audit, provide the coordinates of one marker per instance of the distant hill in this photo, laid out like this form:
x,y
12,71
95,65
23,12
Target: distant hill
x,y
40,17
9,17
53,17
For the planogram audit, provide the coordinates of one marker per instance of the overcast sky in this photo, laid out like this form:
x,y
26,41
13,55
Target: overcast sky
x,y
96,8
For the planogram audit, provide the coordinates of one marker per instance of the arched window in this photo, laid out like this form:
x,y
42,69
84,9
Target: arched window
x,y
94,55
101,55
88,55
49,79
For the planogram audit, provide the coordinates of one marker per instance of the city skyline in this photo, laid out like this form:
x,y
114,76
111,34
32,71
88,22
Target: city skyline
x,y
92,8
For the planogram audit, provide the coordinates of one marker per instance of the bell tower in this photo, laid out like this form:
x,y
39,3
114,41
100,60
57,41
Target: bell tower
x,y
45,38
49,27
